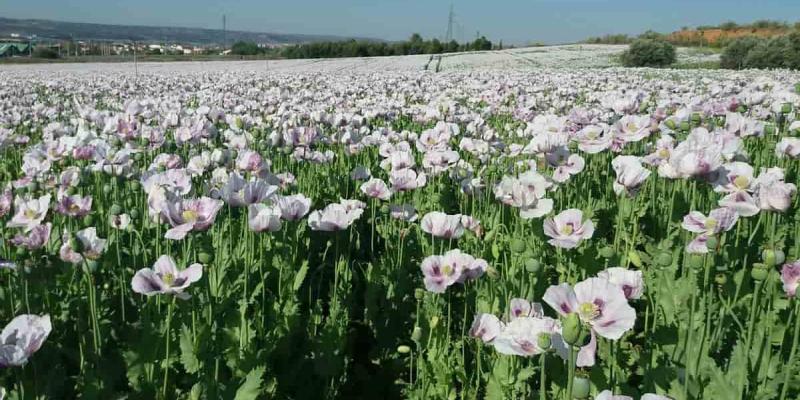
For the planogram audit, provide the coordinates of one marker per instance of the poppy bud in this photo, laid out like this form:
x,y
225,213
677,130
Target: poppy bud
x,y
721,279
518,245
544,341
580,388
403,349
434,322
633,257
571,329
759,272
419,294
205,258
115,209
532,265
416,335
495,250
490,235
607,252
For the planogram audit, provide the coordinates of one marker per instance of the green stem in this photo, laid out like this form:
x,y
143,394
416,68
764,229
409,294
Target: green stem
x,y
792,352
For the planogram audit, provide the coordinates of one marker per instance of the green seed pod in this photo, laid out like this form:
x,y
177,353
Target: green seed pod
x,y
696,261
580,388
544,341
633,257
88,220
664,259
780,257
495,250
769,258
416,335
419,294
517,245
786,108
403,349
759,272
532,265
92,265
741,109
607,252
571,329
134,214
769,129
696,118
384,209
115,209
670,123
205,258
685,126
107,189
721,279
712,243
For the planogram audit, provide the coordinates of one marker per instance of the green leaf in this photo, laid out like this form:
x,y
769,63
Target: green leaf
x,y
251,387
188,355
301,275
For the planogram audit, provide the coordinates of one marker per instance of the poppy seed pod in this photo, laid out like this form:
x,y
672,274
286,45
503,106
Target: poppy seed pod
x,y
205,258
532,265
580,388
607,252
517,245
571,329
786,108
664,259
759,272
544,341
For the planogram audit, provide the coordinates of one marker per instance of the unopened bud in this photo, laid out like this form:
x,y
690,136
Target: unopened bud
x,y
518,245
416,335
403,349
434,322
544,341
571,329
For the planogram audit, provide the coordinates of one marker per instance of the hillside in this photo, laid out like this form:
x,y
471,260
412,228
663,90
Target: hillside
x,y
716,35
58,30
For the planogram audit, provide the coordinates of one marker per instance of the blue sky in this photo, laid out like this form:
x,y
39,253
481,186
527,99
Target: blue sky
x,y
513,21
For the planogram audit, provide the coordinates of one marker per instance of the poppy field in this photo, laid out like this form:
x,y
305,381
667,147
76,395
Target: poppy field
x,y
478,233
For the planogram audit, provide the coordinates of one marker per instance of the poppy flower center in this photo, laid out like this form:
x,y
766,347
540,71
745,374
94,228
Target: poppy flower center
x,y
448,270
168,278
711,223
741,182
189,215
663,153
567,229
588,311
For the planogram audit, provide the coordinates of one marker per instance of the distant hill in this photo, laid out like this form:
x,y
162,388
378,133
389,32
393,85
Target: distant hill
x,y
47,29
714,36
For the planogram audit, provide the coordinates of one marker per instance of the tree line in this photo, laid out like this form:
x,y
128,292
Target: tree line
x,y
365,48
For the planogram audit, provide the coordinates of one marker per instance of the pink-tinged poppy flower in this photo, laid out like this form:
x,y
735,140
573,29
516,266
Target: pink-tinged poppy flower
x,y
719,220
772,192
662,153
405,212
565,164
407,179
74,206
442,225
485,327
190,215
453,267
261,217
121,221
472,224
251,161
594,139
790,276
568,229
334,217
377,189
632,128
697,156
630,281
735,177
67,253
29,212
6,199
36,238
240,193
293,207
742,202
526,193
92,247
22,337
788,147
630,175
520,336
599,303
438,161
523,308
166,278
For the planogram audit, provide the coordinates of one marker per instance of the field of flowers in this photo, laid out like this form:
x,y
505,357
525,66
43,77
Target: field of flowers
x,y
338,229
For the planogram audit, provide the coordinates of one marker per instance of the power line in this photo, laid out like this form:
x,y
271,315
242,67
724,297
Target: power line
x,y
451,16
